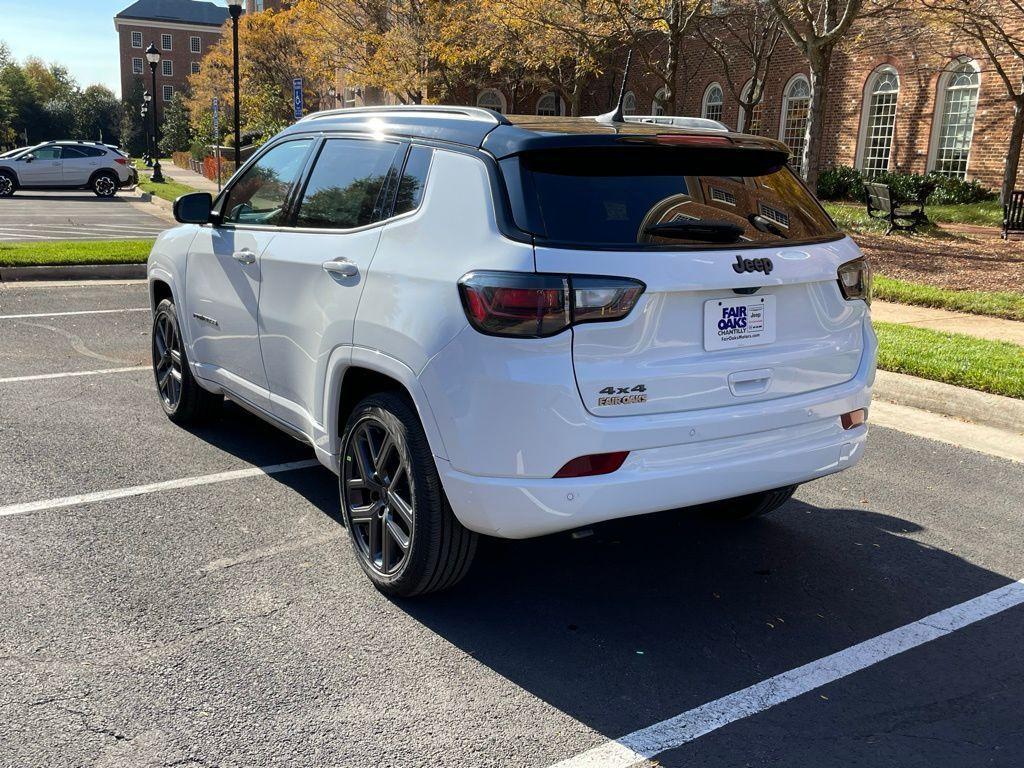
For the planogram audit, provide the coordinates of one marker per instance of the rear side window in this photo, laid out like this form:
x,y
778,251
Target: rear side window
x,y
414,179
346,187
71,153
664,196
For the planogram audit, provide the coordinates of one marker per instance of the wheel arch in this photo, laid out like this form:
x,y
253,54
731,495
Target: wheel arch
x,y
8,171
364,373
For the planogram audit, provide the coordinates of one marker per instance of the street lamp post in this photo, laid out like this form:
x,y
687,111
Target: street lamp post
x,y
144,113
235,8
153,57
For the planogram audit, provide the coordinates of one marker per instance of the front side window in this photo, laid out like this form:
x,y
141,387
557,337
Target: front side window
x,y
796,107
663,197
347,186
713,100
47,153
261,194
883,90
958,103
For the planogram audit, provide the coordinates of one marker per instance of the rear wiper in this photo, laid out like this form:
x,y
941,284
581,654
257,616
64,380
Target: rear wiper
x,y
708,231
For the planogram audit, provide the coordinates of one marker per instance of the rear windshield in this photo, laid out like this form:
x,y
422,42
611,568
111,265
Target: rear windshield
x,y
657,197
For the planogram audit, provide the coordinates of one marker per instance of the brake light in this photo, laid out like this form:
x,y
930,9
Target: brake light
x,y
121,160
594,464
534,306
855,279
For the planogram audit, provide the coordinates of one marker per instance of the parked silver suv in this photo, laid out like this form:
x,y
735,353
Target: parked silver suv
x,y
67,165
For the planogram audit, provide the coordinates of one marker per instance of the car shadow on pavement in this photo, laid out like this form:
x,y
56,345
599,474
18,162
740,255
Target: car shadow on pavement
x,y
653,616
50,198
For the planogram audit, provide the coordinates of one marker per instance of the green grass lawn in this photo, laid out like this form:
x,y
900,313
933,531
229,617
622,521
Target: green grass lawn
x,y
853,217
169,189
953,358
993,303
74,252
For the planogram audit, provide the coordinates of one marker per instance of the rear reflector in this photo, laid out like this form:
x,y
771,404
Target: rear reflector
x,y
594,464
854,418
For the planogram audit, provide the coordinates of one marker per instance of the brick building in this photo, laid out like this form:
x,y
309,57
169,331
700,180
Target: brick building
x,y
909,100
255,6
182,30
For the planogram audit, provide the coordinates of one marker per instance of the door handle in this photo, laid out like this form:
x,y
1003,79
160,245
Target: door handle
x,y
341,268
244,256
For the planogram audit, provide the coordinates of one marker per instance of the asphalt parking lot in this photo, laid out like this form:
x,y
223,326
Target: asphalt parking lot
x,y
158,610
76,215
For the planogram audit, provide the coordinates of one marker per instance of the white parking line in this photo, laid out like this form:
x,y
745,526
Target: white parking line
x,y
140,490
69,374
78,312
669,734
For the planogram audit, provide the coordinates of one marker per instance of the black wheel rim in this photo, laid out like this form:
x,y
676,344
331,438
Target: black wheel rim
x,y
167,359
6,185
105,186
378,496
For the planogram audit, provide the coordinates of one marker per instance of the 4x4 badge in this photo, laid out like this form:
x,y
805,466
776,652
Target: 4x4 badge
x,y
753,265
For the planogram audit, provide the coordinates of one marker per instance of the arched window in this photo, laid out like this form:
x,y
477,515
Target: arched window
x,y
658,105
955,106
711,107
796,106
629,103
491,99
753,125
550,104
879,122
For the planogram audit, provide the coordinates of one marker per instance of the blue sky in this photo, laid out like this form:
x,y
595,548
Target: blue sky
x,y
76,33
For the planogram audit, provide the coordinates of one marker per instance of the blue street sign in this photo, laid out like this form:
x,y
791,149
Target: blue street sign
x,y
297,96
216,116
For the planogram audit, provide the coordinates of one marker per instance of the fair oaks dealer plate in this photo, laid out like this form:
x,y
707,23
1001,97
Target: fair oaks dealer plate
x,y
733,323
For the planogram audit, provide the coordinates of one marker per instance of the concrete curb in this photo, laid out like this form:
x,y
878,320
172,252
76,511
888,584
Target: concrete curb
x,y
74,272
996,411
159,202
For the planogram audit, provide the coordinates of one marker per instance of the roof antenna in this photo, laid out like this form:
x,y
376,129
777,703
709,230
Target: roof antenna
x,y
616,116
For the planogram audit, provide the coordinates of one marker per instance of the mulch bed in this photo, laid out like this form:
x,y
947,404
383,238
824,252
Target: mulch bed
x,y
966,260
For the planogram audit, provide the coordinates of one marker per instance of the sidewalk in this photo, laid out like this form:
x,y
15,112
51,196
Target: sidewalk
x,y
185,176
991,328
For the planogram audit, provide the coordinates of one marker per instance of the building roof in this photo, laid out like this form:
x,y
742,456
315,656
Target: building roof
x,y
180,11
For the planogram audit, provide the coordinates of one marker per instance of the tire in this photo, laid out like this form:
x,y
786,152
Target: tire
x,y
183,400
7,184
750,506
438,549
104,185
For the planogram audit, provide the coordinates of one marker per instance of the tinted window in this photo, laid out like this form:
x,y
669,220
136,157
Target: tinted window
x,y
260,195
414,179
665,197
346,187
72,153
92,151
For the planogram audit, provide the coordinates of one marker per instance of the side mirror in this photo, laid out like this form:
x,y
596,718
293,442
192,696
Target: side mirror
x,y
194,208
28,158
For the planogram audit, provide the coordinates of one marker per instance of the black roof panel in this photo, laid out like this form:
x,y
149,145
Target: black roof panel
x,y
182,11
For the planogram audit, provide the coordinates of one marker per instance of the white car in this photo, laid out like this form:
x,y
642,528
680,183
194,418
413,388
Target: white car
x,y
67,165
519,325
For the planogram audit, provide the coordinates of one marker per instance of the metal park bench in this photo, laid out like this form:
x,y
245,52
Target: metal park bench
x,y
1013,214
882,205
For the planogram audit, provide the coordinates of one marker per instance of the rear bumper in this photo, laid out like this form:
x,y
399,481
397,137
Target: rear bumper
x,y
132,180
653,480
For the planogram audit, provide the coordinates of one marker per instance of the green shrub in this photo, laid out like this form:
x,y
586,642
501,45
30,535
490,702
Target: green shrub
x,y
845,183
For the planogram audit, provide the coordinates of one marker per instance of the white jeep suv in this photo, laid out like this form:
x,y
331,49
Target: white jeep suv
x,y
67,165
519,325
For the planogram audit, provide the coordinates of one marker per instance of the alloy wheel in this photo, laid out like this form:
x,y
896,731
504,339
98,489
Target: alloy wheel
x,y
105,186
6,185
378,495
167,359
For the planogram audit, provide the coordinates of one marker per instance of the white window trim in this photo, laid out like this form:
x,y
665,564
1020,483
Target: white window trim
x,y
501,98
630,96
133,36
558,100
141,68
940,103
865,113
167,68
163,92
704,101
195,44
785,102
170,42
655,104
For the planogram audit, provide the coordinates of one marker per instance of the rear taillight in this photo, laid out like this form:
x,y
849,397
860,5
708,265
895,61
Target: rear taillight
x,y
855,279
533,306
121,160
